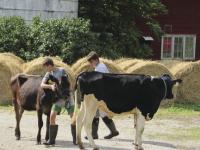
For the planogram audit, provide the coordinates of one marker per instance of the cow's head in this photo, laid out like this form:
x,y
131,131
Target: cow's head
x,y
166,84
62,90
169,83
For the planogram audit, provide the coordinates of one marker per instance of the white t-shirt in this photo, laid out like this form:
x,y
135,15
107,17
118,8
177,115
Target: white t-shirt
x,y
101,67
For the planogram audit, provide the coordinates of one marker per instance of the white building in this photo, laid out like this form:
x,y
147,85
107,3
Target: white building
x,y
46,9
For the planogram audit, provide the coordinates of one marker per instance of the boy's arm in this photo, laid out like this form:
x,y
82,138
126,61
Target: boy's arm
x,y
44,81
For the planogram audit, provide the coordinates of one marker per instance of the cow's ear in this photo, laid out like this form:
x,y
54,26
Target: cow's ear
x,y
21,80
65,81
177,81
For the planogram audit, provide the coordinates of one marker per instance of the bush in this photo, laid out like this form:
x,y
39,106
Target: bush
x,y
13,35
68,38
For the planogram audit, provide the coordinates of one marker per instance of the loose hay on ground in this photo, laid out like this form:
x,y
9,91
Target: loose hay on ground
x,y
189,90
35,67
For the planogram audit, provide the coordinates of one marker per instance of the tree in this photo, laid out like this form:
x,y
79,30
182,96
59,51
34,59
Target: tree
x,y
120,19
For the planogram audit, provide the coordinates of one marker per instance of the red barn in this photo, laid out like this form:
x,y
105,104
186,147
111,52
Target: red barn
x,y
182,31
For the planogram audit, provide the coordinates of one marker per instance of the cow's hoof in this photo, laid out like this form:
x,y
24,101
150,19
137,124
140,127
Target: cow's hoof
x,y
139,148
81,146
96,148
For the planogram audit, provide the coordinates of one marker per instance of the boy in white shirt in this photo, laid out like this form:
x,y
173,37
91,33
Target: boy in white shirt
x,y
101,67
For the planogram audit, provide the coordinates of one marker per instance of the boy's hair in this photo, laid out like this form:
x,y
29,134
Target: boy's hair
x,y
48,62
92,56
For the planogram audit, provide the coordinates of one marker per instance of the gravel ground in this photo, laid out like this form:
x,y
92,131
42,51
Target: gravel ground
x,y
160,133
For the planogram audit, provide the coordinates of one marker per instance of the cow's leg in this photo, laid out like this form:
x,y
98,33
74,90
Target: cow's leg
x,y
79,125
17,116
40,125
47,127
91,108
140,123
135,120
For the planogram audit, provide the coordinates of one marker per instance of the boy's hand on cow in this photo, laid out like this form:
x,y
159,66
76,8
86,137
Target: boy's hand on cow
x,y
53,87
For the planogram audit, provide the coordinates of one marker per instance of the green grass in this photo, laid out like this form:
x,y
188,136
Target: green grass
x,y
6,107
184,109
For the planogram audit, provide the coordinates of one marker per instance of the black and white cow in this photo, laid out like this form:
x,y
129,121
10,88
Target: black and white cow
x,y
121,93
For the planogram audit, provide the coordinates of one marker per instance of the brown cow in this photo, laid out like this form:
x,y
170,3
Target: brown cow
x,y
27,95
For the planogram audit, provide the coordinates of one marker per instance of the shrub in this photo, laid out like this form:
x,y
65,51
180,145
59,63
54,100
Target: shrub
x,y
13,35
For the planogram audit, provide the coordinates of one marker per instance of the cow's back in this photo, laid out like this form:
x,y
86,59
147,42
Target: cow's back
x,y
28,93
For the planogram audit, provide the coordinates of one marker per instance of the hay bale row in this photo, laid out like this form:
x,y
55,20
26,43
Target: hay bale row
x,y
189,72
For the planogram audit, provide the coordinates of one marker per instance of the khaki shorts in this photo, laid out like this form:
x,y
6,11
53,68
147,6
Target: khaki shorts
x,y
68,105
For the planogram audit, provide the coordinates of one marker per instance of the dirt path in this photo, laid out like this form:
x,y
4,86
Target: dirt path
x,y
160,134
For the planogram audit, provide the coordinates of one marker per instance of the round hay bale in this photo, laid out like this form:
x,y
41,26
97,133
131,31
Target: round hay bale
x,y
39,59
178,67
125,65
149,68
83,65
189,89
35,67
78,64
172,65
118,61
11,57
7,70
169,63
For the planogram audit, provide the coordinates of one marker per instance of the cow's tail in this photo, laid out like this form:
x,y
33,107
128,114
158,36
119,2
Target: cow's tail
x,y
14,88
78,97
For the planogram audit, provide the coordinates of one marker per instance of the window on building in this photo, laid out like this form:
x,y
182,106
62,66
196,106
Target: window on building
x,y
167,47
178,47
